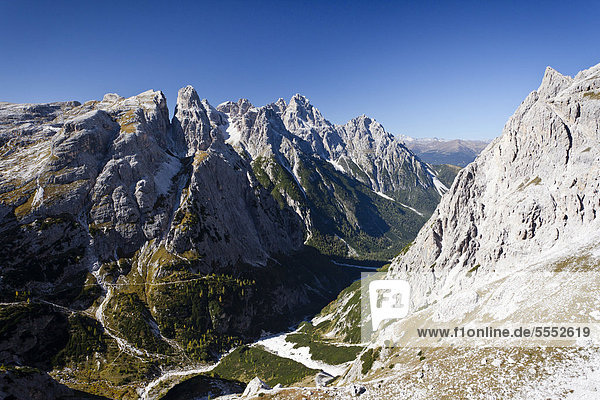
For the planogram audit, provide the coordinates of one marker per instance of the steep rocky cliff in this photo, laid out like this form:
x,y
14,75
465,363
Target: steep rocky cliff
x,y
533,189
514,242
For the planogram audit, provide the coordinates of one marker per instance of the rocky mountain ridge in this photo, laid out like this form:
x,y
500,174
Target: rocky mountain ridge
x,y
310,164
361,147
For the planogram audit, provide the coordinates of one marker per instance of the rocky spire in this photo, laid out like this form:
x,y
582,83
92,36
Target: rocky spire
x,y
553,82
191,124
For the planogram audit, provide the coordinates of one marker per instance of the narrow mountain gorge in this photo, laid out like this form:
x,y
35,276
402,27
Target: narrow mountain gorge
x,y
514,242
134,244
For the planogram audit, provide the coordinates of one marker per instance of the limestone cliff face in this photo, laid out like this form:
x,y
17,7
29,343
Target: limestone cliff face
x,y
534,188
223,213
93,183
191,122
514,242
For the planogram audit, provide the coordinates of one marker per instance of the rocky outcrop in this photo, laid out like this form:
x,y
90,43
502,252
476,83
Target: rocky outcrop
x,y
322,379
254,387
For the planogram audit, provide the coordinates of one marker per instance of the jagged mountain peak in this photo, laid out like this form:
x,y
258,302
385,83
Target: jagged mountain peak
x,y
553,82
361,148
235,109
363,120
301,114
191,123
299,100
366,128
360,121
187,97
301,104
281,102
279,106
244,104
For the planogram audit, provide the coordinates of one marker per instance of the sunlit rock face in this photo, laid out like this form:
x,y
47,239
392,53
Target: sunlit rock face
x,y
104,179
535,187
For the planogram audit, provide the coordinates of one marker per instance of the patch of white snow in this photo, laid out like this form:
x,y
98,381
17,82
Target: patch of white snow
x,y
412,209
278,345
336,165
233,135
164,175
385,196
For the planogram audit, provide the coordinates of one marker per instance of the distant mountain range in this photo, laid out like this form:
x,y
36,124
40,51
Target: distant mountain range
x,y
458,152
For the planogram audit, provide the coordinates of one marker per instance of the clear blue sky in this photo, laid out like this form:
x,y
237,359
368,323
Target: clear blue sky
x,y
445,69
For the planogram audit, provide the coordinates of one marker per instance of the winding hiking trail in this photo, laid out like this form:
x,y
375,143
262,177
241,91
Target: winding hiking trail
x,y
122,343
